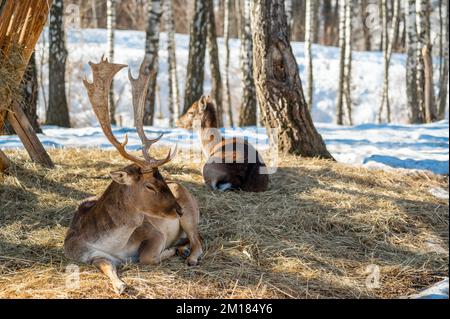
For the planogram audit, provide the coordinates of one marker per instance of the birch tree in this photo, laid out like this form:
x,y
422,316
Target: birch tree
x,y
197,46
340,93
443,93
110,27
248,113
390,41
226,33
213,51
151,56
425,86
58,110
278,85
411,63
174,95
348,61
309,36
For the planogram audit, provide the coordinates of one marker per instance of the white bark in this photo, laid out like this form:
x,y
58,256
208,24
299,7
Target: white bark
x,y
443,93
309,38
411,62
348,61
174,95
389,40
341,79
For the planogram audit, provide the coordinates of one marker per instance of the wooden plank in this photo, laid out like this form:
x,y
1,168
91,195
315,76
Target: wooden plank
x,y
25,131
4,162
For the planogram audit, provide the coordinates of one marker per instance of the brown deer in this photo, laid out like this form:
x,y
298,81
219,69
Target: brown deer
x,y
140,216
232,164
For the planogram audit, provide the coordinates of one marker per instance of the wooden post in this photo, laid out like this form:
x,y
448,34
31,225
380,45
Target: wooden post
x,y
4,162
25,131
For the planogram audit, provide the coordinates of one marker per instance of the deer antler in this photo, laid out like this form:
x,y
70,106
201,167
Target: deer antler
x,y
139,89
103,73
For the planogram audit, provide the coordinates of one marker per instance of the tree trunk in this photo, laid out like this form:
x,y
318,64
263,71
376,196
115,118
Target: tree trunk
x,y
289,16
348,62
297,32
443,93
174,93
390,41
197,43
226,32
309,36
151,56
366,29
58,111
278,85
213,51
30,92
110,27
425,65
341,80
411,63
247,116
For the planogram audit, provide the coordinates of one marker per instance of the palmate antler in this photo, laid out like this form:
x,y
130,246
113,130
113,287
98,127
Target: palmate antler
x,y
98,91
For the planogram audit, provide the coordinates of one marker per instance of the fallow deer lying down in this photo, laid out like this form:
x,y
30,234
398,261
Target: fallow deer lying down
x,y
140,216
232,164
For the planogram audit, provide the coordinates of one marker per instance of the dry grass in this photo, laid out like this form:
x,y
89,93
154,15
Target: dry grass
x,y
312,235
10,78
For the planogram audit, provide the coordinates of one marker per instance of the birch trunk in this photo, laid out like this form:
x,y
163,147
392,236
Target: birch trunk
x,y
174,93
341,80
390,41
348,61
58,110
309,36
443,93
151,56
213,51
197,46
226,32
248,114
425,86
415,115
278,85
110,27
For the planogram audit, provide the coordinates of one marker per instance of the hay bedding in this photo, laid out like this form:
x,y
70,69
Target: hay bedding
x,y
312,235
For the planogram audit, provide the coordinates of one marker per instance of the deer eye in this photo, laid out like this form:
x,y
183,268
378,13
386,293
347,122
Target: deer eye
x,y
150,187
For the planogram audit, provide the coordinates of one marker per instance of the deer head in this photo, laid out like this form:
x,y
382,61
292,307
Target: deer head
x,y
201,114
144,185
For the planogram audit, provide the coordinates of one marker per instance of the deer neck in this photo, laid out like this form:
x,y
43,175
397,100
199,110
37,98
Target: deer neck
x,y
208,133
118,204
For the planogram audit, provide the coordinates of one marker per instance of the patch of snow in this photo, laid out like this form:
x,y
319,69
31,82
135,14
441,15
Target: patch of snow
x,y
418,147
439,192
437,291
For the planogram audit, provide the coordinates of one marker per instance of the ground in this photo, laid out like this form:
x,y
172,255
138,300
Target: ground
x,y
321,231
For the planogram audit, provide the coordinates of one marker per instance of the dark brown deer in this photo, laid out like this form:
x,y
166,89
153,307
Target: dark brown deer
x,y
140,216
232,164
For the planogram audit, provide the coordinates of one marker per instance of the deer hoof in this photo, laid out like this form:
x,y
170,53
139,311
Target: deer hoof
x,y
183,252
120,287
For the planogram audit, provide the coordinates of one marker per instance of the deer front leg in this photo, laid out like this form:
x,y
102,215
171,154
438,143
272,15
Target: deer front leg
x,y
189,226
152,250
109,269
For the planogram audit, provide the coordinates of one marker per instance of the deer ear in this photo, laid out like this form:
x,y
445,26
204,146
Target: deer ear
x,y
122,177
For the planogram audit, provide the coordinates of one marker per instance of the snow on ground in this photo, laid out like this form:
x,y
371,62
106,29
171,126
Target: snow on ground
x,y
421,147
437,291
89,44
